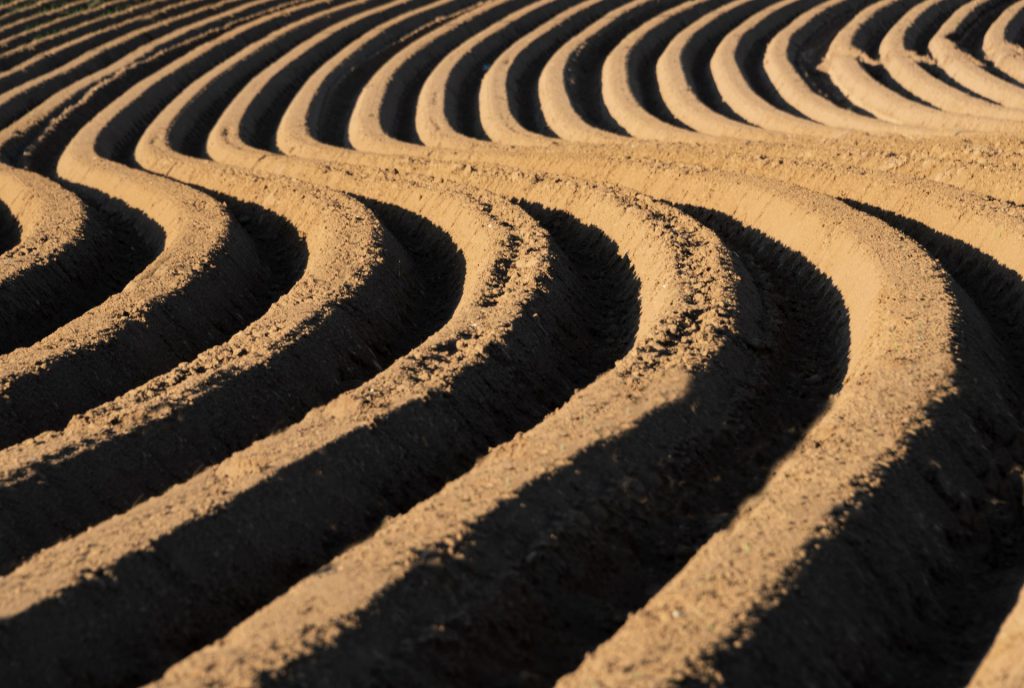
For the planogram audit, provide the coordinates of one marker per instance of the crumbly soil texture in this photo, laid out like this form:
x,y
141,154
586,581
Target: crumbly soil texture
x,y
512,343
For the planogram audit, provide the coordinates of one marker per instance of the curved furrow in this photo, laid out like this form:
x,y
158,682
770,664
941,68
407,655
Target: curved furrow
x,y
966,69
300,493
966,234
326,100
988,231
463,342
223,80
971,35
1001,44
32,19
981,243
741,80
448,106
383,117
113,250
971,216
359,301
626,84
569,87
790,64
95,68
63,261
521,593
984,234
510,109
81,35
275,91
864,79
52,47
683,80
986,238
207,279
703,624
355,306
976,591
897,55
41,71
40,136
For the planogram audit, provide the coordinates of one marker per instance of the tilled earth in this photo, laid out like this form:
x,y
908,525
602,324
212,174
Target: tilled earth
x,y
512,343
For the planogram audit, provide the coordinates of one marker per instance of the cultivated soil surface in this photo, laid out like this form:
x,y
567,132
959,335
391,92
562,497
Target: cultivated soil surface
x,y
512,343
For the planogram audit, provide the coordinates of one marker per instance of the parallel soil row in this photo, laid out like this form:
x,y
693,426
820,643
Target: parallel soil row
x,y
511,342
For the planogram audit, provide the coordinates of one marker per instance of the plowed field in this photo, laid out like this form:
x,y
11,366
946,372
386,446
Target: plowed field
x,y
512,343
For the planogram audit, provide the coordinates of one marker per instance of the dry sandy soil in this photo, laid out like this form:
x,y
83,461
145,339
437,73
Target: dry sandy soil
x,y
512,343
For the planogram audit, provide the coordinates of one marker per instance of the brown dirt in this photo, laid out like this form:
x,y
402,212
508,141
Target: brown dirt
x,y
512,342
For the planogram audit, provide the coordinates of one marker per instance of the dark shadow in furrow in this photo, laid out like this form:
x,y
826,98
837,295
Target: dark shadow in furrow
x,y
464,109
262,118
808,48
202,119
131,23
947,517
995,290
870,34
971,35
113,257
881,75
698,62
583,80
978,596
938,73
169,335
885,599
878,601
524,75
13,108
159,97
19,10
1015,29
12,15
931,20
439,263
398,110
550,575
276,240
12,9
10,232
91,376
606,283
343,89
27,29
753,66
928,23
869,38
252,404
184,591
645,56
40,148
143,242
